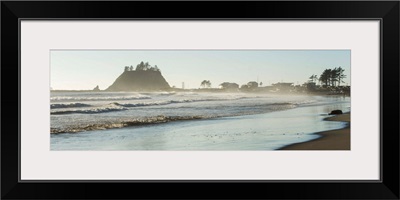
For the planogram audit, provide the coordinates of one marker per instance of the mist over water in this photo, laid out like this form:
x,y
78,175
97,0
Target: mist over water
x,y
168,120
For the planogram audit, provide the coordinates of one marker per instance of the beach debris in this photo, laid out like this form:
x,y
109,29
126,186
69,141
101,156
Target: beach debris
x,y
336,112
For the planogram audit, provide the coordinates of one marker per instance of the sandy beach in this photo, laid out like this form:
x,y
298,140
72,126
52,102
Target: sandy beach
x,y
329,140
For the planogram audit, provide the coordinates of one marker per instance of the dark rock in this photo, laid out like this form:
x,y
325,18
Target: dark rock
x,y
336,112
96,88
139,80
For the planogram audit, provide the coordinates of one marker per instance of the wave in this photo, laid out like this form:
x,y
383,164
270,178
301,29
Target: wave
x,y
140,104
304,102
88,111
160,103
159,93
109,98
69,105
134,122
115,106
152,120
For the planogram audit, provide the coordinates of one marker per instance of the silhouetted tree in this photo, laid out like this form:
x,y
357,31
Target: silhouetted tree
x,y
334,76
140,66
156,68
340,75
325,77
205,84
313,78
330,77
146,66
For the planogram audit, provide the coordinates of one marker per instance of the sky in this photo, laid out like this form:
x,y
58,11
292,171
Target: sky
x,y
85,69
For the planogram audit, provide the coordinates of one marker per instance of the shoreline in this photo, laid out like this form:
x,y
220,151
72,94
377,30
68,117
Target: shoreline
x,y
214,90
261,132
338,139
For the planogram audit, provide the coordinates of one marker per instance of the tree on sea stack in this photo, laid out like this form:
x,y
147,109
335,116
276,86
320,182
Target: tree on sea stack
x,y
140,66
156,68
145,66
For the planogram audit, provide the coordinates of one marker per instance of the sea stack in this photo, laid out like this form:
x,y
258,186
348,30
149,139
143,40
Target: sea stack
x,y
143,78
96,89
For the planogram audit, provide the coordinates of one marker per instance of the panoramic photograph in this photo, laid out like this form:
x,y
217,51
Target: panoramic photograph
x,y
200,100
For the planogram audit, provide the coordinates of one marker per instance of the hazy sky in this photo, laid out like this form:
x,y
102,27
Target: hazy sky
x,y
81,70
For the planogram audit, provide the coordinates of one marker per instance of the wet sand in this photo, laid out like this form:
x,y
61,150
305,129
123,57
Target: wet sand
x,y
329,140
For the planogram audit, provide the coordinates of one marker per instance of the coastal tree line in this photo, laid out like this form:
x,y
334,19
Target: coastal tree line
x,y
330,77
142,66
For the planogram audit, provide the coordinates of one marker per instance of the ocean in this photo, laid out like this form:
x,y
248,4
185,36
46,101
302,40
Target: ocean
x,y
187,120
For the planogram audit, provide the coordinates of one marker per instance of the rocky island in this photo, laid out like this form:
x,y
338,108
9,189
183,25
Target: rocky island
x,y
144,78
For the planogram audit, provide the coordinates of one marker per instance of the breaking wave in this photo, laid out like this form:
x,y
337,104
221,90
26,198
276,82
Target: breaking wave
x,y
88,111
115,106
157,103
69,105
120,123
134,122
62,109
97,98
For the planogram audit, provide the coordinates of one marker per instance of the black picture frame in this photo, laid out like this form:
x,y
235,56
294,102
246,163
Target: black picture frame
x,y
386,11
